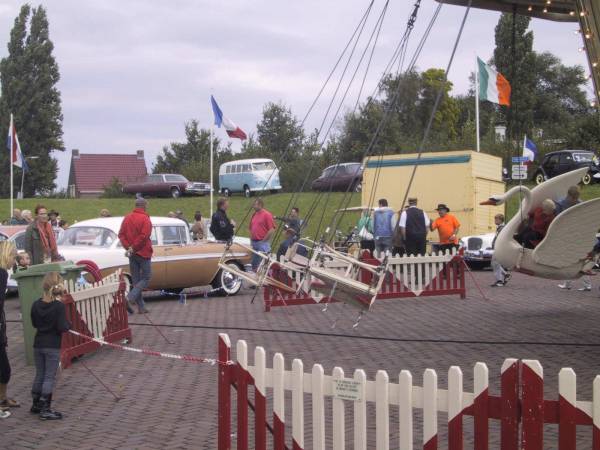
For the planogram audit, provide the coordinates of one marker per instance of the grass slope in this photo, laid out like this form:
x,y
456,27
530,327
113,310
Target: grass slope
x,y
81,209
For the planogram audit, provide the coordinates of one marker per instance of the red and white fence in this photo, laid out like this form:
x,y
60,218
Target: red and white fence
x,y
520,408
408,276
96,310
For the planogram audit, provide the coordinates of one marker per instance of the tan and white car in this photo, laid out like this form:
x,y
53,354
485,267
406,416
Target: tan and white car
x,y
177,262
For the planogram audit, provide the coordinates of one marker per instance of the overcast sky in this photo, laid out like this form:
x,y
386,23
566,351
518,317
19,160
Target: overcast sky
x,y
133,72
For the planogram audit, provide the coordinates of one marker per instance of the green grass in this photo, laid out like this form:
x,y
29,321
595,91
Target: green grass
x,y
81,209
587,193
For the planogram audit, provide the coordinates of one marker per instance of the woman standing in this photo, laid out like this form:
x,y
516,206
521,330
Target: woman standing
x,y
8,252
49,318
365,231
40,241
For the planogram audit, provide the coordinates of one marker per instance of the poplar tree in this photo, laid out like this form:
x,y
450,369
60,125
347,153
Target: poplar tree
x,y
28,76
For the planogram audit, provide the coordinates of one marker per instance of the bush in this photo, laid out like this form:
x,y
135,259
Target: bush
x,y
114,189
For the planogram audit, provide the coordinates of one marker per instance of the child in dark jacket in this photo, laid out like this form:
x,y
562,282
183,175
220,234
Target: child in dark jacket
x,y
49,318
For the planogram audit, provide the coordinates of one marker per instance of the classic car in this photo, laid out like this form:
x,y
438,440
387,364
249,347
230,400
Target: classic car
x,y
557,163
478,250
15,233
177,262
340,177
166,184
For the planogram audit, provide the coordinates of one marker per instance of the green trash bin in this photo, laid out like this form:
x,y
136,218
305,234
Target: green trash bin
x,y
29,282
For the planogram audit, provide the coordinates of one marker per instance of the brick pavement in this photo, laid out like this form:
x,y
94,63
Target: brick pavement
x,y
172,404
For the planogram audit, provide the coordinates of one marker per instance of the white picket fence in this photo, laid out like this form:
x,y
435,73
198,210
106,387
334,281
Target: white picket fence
x,y
522,382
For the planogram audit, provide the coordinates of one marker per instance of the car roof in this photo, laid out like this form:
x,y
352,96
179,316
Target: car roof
x,y
114,223
10,230
568,151
253,160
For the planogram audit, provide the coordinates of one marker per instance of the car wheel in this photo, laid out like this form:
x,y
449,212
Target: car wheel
x,y
228,282
539,178
587,179
358,187
247,192
175,192
226,192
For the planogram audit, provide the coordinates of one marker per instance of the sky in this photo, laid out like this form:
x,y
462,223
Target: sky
x,y
133,72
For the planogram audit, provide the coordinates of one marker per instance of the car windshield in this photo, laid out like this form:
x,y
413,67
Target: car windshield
x,y
268,165
92,236
176,178
583,157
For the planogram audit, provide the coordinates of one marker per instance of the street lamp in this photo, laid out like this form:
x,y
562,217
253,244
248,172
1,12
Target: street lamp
x,y
20,194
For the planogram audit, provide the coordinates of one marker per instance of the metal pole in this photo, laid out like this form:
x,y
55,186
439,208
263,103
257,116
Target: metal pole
x,y
11,164
211,170
477,102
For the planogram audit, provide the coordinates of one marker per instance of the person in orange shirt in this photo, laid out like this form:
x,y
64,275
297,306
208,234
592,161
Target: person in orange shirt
x,y
447,226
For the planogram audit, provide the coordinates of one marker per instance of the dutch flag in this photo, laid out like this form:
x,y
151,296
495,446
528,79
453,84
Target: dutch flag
x,y
16,156
231,128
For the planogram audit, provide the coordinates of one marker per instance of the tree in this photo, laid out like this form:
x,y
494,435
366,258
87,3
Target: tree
x,y
192,157
29,75
279,133
517,66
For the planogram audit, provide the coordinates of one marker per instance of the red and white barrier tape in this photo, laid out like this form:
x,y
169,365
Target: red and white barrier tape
x,y
189,358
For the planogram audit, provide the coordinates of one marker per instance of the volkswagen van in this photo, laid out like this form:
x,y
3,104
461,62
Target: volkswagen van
x,y
249,176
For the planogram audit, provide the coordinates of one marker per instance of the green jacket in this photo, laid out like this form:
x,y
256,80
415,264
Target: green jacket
x,y
33,244
365,221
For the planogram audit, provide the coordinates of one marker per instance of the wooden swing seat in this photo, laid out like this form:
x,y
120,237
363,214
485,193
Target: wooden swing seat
x,y
255,279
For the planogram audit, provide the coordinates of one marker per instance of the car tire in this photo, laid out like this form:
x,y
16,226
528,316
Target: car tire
x,y
226,192
226,282
247,191
587,179
539,178
358,187
175,192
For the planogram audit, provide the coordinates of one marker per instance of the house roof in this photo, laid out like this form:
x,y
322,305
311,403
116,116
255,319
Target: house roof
x,y
92,172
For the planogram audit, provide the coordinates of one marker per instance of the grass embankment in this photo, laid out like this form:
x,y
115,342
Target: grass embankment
x,y
81,209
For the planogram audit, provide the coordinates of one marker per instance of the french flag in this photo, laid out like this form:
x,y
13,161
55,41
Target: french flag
x,y
231,128
530,150
16,156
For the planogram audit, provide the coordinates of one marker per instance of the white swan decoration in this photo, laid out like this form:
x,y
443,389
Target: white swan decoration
x,y
563,254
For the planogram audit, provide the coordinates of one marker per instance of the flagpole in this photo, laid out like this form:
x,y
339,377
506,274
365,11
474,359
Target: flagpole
x,y
477,103
212,126
12,140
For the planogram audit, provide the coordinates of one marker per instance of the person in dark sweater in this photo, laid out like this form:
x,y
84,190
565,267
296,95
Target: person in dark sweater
x,y
8,252
49,318
414,224
221,227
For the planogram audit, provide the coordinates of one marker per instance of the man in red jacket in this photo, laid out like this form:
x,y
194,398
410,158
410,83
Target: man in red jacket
x,y
135,237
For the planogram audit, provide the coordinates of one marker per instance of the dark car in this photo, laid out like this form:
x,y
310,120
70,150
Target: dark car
x,y
173,185
557,163
340,177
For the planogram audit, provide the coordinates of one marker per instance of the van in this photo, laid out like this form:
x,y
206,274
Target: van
x,y
249,176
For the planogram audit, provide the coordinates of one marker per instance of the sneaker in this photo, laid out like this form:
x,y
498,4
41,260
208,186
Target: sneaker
x,y
585,289
565,286
498,284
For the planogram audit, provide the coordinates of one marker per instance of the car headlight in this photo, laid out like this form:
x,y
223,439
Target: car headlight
x,y
189,185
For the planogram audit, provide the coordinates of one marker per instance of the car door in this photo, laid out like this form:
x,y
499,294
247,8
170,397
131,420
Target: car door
x,y
179,273
566,163
552,166
158,263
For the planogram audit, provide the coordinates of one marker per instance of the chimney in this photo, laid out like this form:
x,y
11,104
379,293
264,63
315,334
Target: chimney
x,y
75,153
140,154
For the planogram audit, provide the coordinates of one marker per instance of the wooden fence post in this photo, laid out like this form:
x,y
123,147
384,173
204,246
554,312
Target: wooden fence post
x,y
224,407
532,386
509,422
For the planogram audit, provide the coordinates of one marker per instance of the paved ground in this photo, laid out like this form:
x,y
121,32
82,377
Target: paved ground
x,y
172,404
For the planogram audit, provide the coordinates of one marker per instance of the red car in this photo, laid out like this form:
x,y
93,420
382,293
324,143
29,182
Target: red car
x,y
166,184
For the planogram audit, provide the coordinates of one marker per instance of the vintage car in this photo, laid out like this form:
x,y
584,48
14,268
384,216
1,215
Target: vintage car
x,y
340,177
177,262
166,185
557,163
478,250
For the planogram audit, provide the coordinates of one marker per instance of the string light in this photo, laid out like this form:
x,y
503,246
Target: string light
x,y
545,10
529,8
571,13
581,49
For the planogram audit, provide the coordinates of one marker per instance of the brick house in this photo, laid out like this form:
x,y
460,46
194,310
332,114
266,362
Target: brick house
x,y
91,172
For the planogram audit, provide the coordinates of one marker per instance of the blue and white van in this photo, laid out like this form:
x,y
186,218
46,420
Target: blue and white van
x,y
249,176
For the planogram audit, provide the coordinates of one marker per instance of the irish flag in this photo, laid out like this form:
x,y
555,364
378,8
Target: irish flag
x,y
493,87
231,128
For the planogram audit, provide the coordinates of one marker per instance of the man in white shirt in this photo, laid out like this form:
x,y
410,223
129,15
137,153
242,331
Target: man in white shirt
x,y
414,224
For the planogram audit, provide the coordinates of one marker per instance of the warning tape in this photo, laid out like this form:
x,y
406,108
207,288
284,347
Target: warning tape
x,y
188,358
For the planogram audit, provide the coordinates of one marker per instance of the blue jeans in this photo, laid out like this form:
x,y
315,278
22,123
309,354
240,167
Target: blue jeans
x,y
141,272
46,365
259,246
383,244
